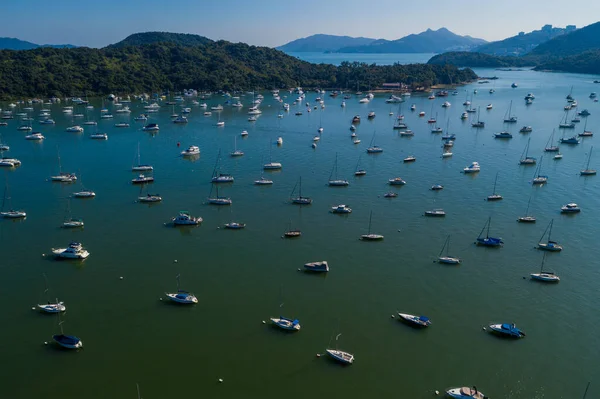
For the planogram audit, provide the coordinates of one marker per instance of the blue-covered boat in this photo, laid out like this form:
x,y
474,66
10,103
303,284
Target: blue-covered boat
x,y
286,324
416,321
488,241
68,341
507,330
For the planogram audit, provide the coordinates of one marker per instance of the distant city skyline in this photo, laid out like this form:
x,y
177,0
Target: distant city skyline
x,y
274,23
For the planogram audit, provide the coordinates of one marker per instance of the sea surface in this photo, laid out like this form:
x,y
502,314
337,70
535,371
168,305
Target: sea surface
x,y
244,277
379,59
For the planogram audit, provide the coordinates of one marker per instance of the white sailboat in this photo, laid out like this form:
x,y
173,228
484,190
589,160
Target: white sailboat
x,y
218,200
447,258
7,210
527,218
70,222
549,245
334,181
338,355
587,171
180,296
371,236
236,152
495,196
63,177
545,276
300,200
50,307
140,167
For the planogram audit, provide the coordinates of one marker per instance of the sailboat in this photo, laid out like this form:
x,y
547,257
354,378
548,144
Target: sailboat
x,y
338,355
374,149
537,177
488,241
148,198
565,124
271,165
85,193
218,200
508,118
587,171
334,181
285,323
300,200
479,124
545,276
236,152
549,147
66,341
549,245
585,133
10,213
218,177
63,177
292,233
49,307
495,196
140,167
183,297
525,158
527,218
451,260
70,222
359,171
371,236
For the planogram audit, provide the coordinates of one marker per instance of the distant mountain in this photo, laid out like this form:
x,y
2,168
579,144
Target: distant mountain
x,y
524,42
577,51
183,39
10,43
323,43
430,41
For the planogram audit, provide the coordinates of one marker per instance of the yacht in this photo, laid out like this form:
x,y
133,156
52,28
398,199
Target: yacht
x,y
64,177
185,219
569,140
418,321
396,181
465,393
84,194
584,112
142,179
545,276
526,129
73,251
180,119
220,123
12,214
48,122
149,198
35,137
356,119
222,178
489,106
409,158
263,181
286,324
570,208
473,168
507,330
341,356
25,128
390,194
464,115
191,151
141,117
56,307
272,166
182,297
341,209
279,141
244,133
446,104
72,223
503,135
75,129
371,115
151,127
435,213
321,266
374,149
437,187
235,225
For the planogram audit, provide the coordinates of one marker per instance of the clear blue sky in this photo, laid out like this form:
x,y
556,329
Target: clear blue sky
x,y
97,23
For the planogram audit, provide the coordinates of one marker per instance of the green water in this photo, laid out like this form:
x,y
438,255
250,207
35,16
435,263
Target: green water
x,y
242,277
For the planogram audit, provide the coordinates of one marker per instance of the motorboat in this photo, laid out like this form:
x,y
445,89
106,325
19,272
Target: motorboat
x,y
142,179
396,181
489,106
279,141
180,119
473,168
406,133
526,129
191,151
35,137
75,129
149,198
235,225
435,213
292,234
13,214
503,135
375,149
341,356
222,178
25,128
417,321
244,133
569,140
56,307
464,116
185,219
465,393
409,158
72,223
64,177
320,267
99,136
437,187
68,341
421,114
371,115
272,166
73,251
141,117
507,330
151,127
286,324
182,297
390,194
584,112
341,209
356,119
570,208
48,122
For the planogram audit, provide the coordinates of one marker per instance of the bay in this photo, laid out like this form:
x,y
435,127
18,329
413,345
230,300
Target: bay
x,y
242,277
379,59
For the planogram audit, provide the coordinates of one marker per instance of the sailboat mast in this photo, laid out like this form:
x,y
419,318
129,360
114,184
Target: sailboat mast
x,y
495,181
370,217
587,167
488,227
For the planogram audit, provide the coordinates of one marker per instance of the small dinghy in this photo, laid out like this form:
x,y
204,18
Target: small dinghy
x,y
418,321
286,324
507,330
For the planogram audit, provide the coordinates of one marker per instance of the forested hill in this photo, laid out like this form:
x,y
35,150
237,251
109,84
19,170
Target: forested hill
x,y
218,65
184,39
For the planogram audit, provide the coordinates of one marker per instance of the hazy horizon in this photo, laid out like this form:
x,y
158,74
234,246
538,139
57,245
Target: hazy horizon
x,y
271,23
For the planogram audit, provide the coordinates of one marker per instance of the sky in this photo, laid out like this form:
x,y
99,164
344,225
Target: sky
x,y
97,23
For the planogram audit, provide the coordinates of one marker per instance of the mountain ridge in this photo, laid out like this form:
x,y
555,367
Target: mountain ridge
x,y
323,43
12,43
